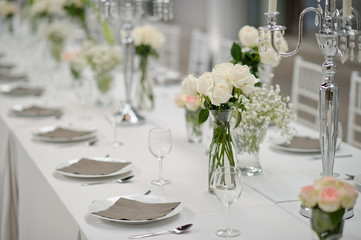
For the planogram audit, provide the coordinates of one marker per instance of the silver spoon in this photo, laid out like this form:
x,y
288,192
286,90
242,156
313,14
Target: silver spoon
x,y
122,180
177,230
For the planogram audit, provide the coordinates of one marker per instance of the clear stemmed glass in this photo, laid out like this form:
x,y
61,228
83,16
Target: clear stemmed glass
x,y
160,144
115,117
84,90
227,186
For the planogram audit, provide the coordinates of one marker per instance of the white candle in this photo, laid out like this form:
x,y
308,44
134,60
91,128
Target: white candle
x,y
346,8
272,6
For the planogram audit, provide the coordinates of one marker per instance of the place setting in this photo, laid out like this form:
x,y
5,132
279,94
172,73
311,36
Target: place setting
x,y
62,134
35,111
20,90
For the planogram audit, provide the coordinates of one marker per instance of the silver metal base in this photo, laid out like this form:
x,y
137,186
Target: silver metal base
x,y
130,116
306,212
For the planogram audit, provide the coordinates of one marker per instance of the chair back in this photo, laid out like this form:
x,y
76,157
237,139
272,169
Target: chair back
x,y
306,81
354,109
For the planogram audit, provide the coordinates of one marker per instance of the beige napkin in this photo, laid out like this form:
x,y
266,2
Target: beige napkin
x,y
39,111
92,167
63,133
303,143
21,91
9,77
132,210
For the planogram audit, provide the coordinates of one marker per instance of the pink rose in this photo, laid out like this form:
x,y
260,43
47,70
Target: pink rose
x,y
180,100
192,103
348,196
329,199
308,196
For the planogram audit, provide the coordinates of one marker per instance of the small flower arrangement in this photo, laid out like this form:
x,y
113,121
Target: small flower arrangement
x,y
77,62
147,39
247,50
328,198
56,34
262,107
102,59
7,11
192,106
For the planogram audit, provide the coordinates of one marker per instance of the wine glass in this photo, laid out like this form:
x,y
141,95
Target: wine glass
x,y
84,91
115,116
160,144
227,186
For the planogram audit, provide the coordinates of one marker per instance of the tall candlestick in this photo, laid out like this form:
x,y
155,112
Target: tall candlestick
x,y
272,6
346,8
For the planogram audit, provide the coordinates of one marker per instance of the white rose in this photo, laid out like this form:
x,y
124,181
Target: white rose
x,y
222,92
205,83
248,36
242,78
223,69
270,57
189,86
137,36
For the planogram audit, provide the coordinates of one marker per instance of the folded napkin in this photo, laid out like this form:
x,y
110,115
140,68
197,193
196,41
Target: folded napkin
x,y
132,210
22,91
93,167
38,111
303,143
11,77
64,133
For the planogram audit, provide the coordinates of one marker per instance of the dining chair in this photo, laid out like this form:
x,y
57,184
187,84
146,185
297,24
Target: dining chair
x,y
199,60
169,51
306,81
224,51
354,111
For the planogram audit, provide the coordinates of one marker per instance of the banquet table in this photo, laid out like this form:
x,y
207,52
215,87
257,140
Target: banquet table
x,y
43,204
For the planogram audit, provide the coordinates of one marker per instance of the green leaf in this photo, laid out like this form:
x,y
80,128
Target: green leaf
x,y
236,52
203,115
239,119
257,84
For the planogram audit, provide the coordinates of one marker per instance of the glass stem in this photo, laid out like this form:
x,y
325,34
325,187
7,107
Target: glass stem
x,y
115,134
160,160
228,221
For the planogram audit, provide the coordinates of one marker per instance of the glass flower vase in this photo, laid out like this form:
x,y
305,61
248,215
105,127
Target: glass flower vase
x,y
248,141
221,150
104,82
327,225
194,129
144,89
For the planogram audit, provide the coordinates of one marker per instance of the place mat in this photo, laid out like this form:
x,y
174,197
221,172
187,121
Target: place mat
x,y
23,91
63,133
37,111
299,142
127,209
93,167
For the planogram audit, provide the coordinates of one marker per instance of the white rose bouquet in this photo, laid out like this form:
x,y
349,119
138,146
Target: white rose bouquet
x,y
328,198
247,52
221,91
147,39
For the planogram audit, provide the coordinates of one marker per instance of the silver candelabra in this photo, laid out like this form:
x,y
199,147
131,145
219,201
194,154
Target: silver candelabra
x,y
336,35
130,12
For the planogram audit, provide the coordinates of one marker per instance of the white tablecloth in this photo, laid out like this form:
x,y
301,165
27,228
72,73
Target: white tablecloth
x,y
53,206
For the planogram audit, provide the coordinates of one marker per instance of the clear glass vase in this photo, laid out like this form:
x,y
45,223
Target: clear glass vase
x,y
221,151
194,129
327,225
104,83
248,141
144,89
